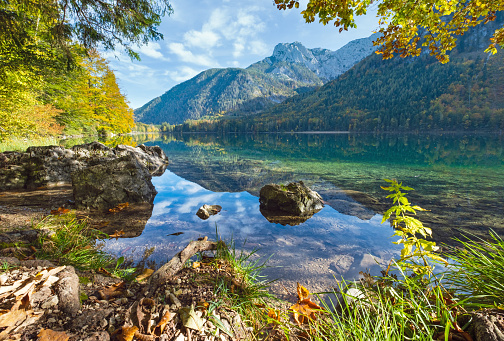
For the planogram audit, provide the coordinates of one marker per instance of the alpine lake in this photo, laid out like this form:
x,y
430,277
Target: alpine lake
x,y
459,178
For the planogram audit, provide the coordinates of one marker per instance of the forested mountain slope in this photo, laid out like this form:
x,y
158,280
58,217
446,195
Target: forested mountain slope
x,y
292,69
400,94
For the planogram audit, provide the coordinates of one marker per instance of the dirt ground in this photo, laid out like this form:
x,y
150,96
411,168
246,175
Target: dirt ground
x,y
22,208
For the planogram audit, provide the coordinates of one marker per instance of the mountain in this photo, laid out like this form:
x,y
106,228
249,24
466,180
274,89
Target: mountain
x,y
325,64
410,94
291,70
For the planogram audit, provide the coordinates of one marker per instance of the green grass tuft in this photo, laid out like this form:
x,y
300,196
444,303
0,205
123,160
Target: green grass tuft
x,y
478,270
69,241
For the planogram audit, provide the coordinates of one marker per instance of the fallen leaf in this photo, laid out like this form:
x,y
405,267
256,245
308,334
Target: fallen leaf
x,y
104,271
302,292
127,333
159,328
145,274
51,335
119,207
190,319
305,310
274,315
175,234
144,337
111,291
116,234
60,211
196,265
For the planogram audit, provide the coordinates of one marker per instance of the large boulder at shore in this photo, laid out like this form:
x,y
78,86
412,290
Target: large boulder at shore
x,y
295,199
118,181
54,165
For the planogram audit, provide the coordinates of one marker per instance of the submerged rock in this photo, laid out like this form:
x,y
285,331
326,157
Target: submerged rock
x,y
295,199
107,185
206,211
282,218
53,165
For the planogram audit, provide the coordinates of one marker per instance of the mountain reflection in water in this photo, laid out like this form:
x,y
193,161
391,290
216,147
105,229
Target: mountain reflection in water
x,y
459,178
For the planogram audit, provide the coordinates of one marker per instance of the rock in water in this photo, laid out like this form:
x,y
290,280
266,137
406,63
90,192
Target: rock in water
x,y
295,199
118,181
206,211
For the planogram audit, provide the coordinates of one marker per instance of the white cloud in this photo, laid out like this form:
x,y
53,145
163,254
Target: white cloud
x,y
152,50
182,74
238,49
204,39
188,57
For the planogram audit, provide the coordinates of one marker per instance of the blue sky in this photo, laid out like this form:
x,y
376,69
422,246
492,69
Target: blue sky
x,y
204,34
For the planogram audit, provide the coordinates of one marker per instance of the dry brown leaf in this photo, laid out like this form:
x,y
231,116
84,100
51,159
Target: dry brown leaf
x,y
196,265
111,291
274,315
305,310
190,319
127,333
144,337
51,335
119,207
145,274
159,328
116,234
104,271
302,292
60,211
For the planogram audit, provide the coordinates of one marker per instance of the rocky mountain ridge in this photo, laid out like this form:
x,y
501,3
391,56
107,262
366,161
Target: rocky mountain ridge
x,y
292,69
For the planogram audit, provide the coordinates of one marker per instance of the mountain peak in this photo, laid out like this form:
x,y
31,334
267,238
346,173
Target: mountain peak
x,y
325,63
292,53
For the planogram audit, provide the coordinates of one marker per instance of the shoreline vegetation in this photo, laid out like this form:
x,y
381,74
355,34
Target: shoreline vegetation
x,y
409,300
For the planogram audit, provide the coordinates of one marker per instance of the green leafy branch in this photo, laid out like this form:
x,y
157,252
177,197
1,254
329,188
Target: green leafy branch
x,y
408,228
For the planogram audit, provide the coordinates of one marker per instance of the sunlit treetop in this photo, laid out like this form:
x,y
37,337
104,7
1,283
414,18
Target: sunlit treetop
x,y
91,23
408,25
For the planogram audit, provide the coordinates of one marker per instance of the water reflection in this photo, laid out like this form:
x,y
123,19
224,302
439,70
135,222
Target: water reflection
x,y
329,244
459,178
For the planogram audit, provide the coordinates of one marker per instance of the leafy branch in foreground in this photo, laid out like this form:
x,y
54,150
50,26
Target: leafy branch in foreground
x,y
407,227
409,26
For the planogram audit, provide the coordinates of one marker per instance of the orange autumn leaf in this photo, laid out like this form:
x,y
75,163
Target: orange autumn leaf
x,y
60,211
196,265
158,330
127,333
305,310
116,234
274,315
119,207
51,335
145,274
302,292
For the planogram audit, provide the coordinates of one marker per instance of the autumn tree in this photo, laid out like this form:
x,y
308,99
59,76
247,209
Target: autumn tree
x,y
90,99
409,26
